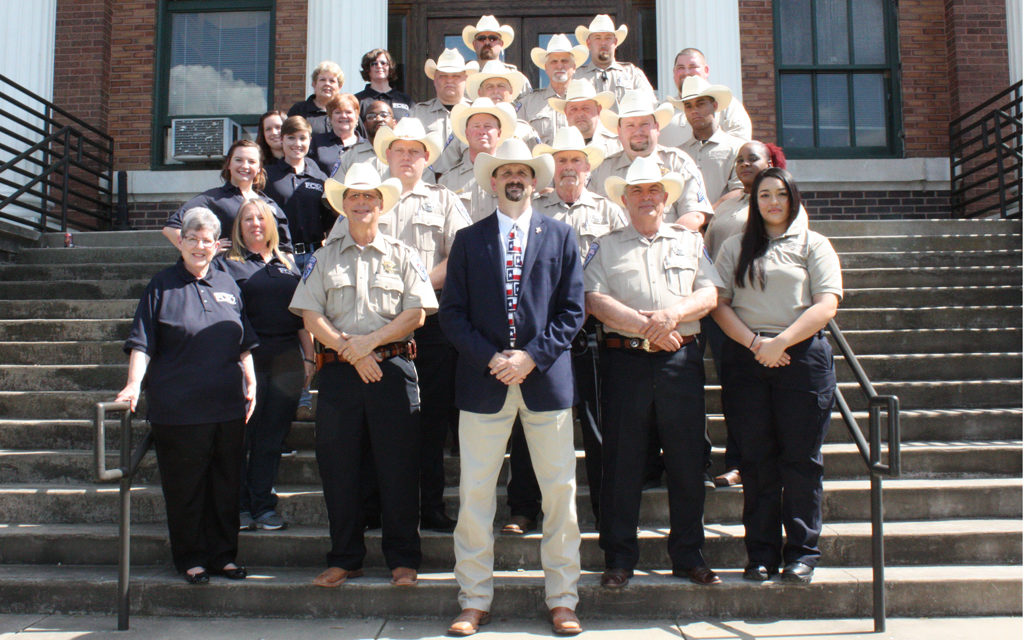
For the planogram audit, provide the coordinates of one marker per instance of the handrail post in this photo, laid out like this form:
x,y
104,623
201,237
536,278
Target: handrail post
x,y
66,185
125,529
877,535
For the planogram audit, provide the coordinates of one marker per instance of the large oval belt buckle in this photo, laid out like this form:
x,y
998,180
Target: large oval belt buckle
x,y
646,345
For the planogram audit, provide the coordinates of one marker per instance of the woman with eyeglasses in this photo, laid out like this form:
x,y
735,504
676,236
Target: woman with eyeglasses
x,y
190,347
379,71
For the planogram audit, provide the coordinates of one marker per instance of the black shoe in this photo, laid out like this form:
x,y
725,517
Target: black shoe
x,y
197,578
371,521
237,573
759,572
437,521
798,573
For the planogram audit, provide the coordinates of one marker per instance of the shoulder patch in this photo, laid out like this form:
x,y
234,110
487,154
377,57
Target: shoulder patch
x,y
309,268
594,246
417,264
461,210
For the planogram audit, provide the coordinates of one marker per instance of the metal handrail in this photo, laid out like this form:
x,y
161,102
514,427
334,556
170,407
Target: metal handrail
x,y
129,464
871,453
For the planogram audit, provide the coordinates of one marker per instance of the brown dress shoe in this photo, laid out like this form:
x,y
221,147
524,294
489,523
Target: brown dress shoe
x,y
564,621
335,577
701,574
616,578
730,478
468,622
519,525
403,577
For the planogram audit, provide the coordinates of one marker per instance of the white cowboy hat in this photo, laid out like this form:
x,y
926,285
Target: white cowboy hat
x,y
637,103
645,170
408,128
694,87
580,90
512,151
602,23
559,43
450,61
461,113
494,69
361,176
570,139
488,24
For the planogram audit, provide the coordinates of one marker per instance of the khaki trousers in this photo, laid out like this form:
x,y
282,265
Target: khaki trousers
x,y
482,441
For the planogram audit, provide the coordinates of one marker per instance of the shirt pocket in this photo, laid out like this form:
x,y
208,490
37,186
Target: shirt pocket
x,y
680,272
341,289
386,294
428,230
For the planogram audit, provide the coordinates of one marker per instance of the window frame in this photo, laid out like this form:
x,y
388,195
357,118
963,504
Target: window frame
x,y
890,71
161,88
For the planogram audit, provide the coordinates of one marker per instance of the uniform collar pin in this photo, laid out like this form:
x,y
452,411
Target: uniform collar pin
x,y
536,230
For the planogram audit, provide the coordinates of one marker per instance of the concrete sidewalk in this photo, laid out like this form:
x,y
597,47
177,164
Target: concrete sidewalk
x,y
62,627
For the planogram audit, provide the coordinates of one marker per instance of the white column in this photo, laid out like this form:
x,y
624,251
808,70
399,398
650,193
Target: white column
x,y
713,26
342,31
1013,36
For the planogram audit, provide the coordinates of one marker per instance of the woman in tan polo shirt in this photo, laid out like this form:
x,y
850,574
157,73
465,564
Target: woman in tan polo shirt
x,y
782,286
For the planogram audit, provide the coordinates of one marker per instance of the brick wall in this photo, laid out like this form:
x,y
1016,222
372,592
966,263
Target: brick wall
x,y
922,36
132,56
976,51
150,215
290,82
82,59
757,59
876,205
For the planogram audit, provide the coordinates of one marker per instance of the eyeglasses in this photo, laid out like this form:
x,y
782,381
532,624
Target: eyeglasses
x,y
379,63
487,38
378,115
193,242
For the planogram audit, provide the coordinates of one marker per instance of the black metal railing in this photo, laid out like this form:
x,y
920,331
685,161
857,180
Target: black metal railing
x,y
871,452
125,472
985,158
60,171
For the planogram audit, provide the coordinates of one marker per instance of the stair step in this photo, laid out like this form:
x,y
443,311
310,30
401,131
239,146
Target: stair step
x,y
68,309
951,317
925,341
926,227
946,242
931,276
910,297
903,258
164,254
64,329
118,239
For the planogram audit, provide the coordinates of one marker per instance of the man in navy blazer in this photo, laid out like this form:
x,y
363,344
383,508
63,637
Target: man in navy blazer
x,y
512,303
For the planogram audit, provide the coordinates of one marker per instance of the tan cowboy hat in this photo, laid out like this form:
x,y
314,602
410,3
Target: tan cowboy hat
x,y
644,170
559,43
602,23
461,113
361,176
637,103
512,151
580,90
570,139
694,87
450,61
408,128
488,24
494,69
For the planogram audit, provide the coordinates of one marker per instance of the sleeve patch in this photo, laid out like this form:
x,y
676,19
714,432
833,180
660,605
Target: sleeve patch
x,y
594,246
457,204
309,268
417,264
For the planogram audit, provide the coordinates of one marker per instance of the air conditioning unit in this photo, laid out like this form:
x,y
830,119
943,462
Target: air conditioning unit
x,y
202,138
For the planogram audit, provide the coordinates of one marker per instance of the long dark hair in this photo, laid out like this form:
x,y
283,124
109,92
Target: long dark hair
x,y
261,140
754,243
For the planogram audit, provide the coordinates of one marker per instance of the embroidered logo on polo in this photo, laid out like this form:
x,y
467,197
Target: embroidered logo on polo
x,y
315,186
226,298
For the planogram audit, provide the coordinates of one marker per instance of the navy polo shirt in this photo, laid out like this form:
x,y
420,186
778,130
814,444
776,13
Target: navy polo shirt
x,y
401,103
326,149
224,202
300,195
267,289
313,114
194,330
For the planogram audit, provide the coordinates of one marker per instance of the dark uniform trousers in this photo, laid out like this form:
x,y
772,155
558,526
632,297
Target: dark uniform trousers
x,y
781,415
435,363
712,336
642,394
381,419
200,466
279,378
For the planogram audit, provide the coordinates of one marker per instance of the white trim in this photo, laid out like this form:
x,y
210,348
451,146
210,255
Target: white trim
x,y
170,186
713,26
907,174
1013,36
326,40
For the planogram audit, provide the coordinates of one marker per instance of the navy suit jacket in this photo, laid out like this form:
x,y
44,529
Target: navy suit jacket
x,y
550,313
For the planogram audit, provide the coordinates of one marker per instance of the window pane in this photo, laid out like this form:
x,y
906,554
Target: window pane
x,y
869,109
831,30
833,110
868,32
455,42
795,30
396,46
219,63
542,41
797,118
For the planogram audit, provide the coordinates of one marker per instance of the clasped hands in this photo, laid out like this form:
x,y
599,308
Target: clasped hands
x,y
511,366
358,352
769,352
660,329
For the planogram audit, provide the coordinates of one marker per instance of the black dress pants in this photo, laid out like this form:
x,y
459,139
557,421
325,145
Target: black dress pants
x,y
435,364
382,419
200,469
782,415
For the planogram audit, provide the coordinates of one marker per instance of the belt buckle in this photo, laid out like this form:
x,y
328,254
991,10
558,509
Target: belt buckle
x,y
646,345
637,343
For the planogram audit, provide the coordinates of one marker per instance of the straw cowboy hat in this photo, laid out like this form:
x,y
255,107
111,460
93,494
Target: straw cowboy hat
x,y
570,139
644,170
559,43
512,151
637,103
461,113
602,23
362,177
450,61
494,69
488,24
408,128
694,87
579,91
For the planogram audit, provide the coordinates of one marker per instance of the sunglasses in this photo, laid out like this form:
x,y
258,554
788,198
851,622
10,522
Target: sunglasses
x,y
486,38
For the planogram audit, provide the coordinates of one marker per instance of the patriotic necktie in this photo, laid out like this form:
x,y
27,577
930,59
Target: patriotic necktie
x,y
513,273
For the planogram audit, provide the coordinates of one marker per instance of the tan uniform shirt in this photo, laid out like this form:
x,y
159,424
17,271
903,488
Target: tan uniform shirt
x,y
438,120
591,216
452,154
606,141
716,159
649,274
460,179
535,110
617,78
729,219
361,289
426,219
733,120
799,265
361,152
694,196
